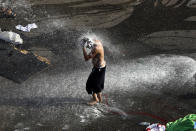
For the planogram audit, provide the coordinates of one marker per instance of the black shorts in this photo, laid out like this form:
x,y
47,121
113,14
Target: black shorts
x,y
95,82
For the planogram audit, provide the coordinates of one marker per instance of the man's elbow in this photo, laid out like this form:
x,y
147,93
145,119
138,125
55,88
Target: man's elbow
x,y
86,58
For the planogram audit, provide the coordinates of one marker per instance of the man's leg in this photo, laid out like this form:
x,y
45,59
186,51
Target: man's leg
x,y
95,99
99,95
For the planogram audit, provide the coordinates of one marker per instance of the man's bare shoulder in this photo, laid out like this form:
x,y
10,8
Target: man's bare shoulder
x,y
98,42
98,46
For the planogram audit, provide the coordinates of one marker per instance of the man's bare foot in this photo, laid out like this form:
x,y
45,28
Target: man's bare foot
x,y
99,97
92,103
100,100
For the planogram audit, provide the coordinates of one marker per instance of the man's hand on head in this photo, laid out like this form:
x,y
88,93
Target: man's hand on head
x,y
83,45
83,42
90,55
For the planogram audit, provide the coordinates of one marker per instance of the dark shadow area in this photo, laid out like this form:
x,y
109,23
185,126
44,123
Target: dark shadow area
x,y
148,18
188,96
68,10
40,101
17,66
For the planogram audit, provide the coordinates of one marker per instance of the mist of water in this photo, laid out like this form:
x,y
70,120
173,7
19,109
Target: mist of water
x,y
114,50
191,3
157,71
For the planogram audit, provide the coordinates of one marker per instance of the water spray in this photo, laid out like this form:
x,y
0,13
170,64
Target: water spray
x,y
87,42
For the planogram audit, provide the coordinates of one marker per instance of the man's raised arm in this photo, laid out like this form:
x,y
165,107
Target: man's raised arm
x,y
90,55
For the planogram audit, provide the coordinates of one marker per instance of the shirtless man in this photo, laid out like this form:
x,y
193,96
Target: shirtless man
x,y
95,82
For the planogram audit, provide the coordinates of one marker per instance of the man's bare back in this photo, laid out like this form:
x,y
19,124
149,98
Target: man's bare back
x,y
97,55
98,60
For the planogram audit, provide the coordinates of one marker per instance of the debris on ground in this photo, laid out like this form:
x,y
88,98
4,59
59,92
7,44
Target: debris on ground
x,y
21,51
156,127
27,28
7,13
42,59
11,37
188,123
144,123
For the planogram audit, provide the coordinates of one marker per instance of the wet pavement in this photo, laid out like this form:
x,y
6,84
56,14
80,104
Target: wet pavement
x,y
150,53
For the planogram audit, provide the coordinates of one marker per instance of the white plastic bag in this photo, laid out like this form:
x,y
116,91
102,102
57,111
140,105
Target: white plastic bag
x,y
11,37
27,28
156,127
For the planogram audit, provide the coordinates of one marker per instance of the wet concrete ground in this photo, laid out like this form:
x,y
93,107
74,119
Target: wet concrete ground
x,y
151,67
